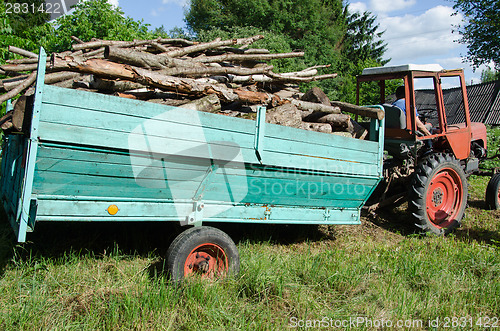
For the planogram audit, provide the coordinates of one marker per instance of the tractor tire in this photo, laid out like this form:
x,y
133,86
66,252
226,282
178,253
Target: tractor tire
x,y
493,192
203,251
438,194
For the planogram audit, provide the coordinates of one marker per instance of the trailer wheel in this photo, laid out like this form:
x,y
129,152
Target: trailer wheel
x,y
493,192
438,194
204,251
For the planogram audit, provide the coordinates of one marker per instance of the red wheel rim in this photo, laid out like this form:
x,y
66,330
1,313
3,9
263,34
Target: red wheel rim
x,y
444,198
207,260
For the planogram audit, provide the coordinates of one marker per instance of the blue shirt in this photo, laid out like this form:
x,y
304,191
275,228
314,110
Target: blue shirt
x,y
401,103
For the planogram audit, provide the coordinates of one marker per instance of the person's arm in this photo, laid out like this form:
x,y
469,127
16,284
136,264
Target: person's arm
x,y
421,127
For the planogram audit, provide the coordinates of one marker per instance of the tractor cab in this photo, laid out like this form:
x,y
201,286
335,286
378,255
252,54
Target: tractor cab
x,y
448,121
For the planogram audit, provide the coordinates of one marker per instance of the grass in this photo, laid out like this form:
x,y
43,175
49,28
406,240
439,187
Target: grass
x,y
96,276
104,276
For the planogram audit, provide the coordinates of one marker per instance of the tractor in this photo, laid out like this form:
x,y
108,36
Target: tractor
x,y
429,170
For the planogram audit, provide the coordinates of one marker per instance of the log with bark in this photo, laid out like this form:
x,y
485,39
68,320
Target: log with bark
x,y
221,76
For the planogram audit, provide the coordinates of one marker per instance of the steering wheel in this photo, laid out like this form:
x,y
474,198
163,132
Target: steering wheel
x,y
428,114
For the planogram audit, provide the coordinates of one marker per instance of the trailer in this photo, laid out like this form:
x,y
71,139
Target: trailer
x,y
94,157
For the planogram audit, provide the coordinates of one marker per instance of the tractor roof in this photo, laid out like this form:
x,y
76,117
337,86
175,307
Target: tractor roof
x,y
402,68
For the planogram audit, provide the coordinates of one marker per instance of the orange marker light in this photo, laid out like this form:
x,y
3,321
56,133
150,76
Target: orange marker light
x,y
113,209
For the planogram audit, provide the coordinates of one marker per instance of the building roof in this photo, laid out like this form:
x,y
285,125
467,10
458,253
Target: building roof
x,y
484,103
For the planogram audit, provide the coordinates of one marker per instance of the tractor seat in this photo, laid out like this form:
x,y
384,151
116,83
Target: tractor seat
x,y
395,117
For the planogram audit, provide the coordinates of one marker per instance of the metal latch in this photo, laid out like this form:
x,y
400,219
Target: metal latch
x,y
196,216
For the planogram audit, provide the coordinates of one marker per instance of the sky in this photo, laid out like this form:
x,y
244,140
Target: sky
x,y
416,31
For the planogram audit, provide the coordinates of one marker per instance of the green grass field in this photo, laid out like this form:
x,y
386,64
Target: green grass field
x,y
104,276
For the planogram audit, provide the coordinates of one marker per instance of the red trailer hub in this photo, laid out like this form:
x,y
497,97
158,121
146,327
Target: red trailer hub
x,y
207,259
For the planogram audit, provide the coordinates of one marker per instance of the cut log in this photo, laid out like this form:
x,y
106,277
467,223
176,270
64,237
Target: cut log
x,y
287,114
301,79
244,51
22,52
213,44
6,121
159,46
11,83
97,67
247,57
101,43
315,107
21,87
177,41
289,93
18,113
78,40
338,121
90,54
204,71
210,104
8,84
316,95
343,134
114,85
60,76
318,127
69,83
25,60
358,110
141,95
145,60
19,67
157,79
358,131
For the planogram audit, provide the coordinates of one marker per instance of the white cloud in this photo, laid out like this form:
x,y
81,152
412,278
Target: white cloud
x,y
384,6
114,3
157,12
411,37
181,3
359,7
455,62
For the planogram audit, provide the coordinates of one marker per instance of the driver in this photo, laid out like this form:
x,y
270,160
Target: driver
x,y
400,103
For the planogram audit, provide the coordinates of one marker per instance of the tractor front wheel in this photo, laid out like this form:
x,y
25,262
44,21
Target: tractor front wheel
x,y
438,194
493,192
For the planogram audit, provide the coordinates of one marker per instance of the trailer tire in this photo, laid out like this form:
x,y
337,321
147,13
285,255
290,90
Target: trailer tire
x,y
493,192
204,251
438,194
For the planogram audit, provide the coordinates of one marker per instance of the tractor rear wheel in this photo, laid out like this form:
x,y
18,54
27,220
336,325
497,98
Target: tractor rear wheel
x,y
493,192
202,251
438,194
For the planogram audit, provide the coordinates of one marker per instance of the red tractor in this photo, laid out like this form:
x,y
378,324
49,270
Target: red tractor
x,y
429,169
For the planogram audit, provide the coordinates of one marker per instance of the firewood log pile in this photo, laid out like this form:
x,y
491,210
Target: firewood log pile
x,y
222,76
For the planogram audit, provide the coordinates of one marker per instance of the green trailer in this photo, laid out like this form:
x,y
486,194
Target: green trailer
x,y
94,157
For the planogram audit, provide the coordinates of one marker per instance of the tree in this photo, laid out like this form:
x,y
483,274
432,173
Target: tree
x,y
90,19
27,16
489,75
14,25
363,41
324,29
480,30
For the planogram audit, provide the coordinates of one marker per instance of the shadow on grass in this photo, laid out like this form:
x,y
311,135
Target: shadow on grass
x,y
398,221
482,230
395,220
56,240
254,233
7,242
481,236
479,204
